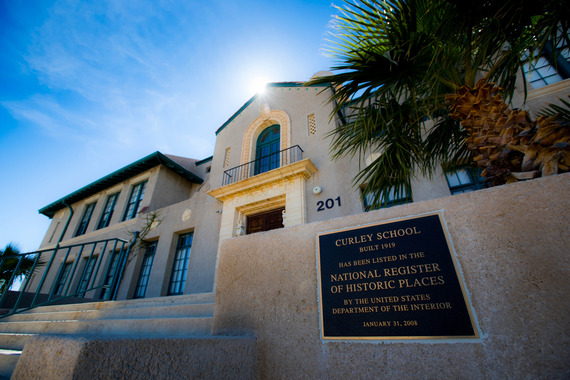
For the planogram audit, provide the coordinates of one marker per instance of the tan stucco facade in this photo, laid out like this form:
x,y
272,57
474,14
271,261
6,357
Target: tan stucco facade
x,y
308,185
511,245
175,205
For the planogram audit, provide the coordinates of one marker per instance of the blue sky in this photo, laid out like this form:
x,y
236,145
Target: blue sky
x,y
87,87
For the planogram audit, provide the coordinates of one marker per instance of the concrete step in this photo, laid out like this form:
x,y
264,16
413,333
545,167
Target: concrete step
x,y
175,327
12,346
185,310
177,316
186,299
15,341
8,361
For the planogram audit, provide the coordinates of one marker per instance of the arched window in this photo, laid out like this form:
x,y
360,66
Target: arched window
x,y
267,149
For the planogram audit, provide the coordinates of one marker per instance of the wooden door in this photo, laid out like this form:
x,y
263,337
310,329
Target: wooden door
x,y
265,221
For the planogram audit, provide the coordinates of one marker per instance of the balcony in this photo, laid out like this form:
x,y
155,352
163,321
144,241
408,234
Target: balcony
x,y
263,164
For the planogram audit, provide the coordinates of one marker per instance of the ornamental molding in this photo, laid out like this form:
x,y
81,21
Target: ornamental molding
x,y
301,169
266,119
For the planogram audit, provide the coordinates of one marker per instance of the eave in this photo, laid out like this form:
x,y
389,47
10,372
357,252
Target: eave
x,y
121,175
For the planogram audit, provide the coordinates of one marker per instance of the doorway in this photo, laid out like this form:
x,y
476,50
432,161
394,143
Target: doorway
x,y
265,221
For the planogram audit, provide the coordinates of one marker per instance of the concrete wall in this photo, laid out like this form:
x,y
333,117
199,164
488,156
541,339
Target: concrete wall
x,y
60,357
511,244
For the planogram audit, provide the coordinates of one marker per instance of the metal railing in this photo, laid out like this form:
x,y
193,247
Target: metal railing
x,y
93,274
263,164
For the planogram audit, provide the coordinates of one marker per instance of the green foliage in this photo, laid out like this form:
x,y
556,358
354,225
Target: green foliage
x,y
150,222
562,112
14,265
397,59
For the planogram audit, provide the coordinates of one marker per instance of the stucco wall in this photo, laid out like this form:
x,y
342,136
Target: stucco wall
x,y
511,244
124,189
334,177
538,98
190,209
170,188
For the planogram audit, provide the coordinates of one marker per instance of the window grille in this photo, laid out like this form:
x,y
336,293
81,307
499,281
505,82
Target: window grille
x,y
312,123
180,264
85,220
134,203
464,180
227,158
550,65
108,211
390,199
146,266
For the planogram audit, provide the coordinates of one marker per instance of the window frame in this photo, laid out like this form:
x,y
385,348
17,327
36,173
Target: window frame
x,y
271,160
88,268
392,200
85,219
476,182
556,59
62,278
134,200
144,274
111,269
180,265
108,210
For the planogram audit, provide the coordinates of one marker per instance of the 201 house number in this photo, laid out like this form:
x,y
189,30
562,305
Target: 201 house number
x,y
329,203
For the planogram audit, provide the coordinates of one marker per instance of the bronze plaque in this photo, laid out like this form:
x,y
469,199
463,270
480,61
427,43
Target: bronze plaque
x,y
392,280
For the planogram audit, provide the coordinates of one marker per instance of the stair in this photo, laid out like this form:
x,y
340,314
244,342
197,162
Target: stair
x,y
176,316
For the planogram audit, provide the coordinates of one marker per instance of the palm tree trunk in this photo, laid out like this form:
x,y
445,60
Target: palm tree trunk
x,y
507,143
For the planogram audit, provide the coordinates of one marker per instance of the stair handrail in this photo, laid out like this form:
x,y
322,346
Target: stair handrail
x,y
94,281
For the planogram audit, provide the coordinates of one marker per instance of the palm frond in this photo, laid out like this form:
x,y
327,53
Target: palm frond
x,y
562,112
412,53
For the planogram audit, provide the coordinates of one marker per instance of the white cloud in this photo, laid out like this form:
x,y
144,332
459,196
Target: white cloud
x,y
125,64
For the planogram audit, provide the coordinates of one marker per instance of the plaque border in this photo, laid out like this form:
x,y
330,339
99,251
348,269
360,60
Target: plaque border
x,y
472,319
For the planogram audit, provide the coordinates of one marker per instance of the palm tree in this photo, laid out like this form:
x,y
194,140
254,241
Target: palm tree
x,y
427,83
14,265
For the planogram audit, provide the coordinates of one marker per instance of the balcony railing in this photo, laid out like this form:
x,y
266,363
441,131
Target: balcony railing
x,y
263,164
95,272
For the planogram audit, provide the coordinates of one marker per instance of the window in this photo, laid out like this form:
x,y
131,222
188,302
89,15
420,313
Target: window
x,y
464,181
111,267
393,199
146,266
108,211
64,274
134,203
267,149
180,265
85,219
548,66
88,271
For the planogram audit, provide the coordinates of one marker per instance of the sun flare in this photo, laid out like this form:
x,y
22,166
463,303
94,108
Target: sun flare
x,y
258,85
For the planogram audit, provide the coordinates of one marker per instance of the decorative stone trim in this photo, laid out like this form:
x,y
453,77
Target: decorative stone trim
x,y
549,89
266,119
304,168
